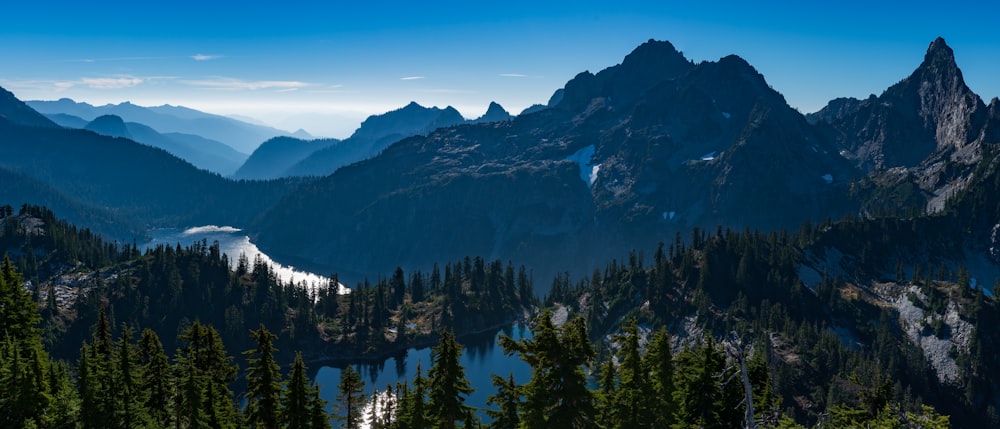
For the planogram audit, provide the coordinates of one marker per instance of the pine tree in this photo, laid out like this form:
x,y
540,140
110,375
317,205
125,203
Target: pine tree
x,y
204,372
129,398
350,401
632,402
412,404
318,418
296,403
557,394
697,392
507,398
448,385
263,381
658,363
155,375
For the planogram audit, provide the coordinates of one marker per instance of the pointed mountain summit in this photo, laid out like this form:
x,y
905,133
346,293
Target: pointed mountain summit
x,y
109,125
15,111
494,113
932,111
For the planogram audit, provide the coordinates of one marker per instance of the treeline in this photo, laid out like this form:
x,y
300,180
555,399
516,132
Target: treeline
x,y
828,346
127,383
169,287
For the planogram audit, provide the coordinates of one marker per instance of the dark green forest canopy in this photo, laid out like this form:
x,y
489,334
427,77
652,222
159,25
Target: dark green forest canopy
x,y
716,284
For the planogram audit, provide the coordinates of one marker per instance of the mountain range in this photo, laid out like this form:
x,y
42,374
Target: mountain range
x,y
616,160
242,136
285,157
620,159
199,151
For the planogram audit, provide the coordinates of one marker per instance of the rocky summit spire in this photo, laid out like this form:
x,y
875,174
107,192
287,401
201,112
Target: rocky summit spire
x,y
939,62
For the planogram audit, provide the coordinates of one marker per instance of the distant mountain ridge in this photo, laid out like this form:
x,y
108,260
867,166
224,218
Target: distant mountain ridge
x,y
99,179
284,157
201,152
241,136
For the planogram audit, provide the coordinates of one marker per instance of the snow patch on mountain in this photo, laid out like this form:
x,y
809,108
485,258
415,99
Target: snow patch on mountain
x,y
584,159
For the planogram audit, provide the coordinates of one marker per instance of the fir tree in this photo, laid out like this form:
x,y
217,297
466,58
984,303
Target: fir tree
x,y
296,403
263,381
507,398
557,394
350,399
448,385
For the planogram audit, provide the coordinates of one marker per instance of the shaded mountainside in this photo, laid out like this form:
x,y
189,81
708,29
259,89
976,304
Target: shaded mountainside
x,y
273,158
137,183
284,157
241,136
644,149
14,111
19,189
376,133
201,152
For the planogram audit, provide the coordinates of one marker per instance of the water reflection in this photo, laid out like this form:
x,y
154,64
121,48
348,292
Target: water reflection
x,y
481,356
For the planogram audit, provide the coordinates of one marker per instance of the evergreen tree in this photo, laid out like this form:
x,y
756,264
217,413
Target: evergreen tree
x,y
507,398
412,406
318,418
296,403
129,398
448,385
263,381
155,377
697,392
204,371
350,399
557,394
658,363
633,399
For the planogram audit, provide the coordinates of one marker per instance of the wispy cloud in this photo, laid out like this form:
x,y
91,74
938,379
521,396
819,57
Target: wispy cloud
x,y
411,78
446,91
109,82
512,75
203,57
231,84
97,60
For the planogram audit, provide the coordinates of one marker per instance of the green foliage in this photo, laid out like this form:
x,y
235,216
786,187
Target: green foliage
x,y
350,400
557,394
264,383
448,384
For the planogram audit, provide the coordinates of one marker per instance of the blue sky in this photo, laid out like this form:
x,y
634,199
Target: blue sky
x,y
324,66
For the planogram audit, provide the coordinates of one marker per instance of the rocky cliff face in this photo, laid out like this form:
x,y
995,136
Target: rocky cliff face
x,y
930,125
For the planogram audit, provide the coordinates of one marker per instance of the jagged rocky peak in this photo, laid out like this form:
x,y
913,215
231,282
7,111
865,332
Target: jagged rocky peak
x,y
939,53
945,101
494,113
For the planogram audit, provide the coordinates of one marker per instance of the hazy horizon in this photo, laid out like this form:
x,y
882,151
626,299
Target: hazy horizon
x,y
325,67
